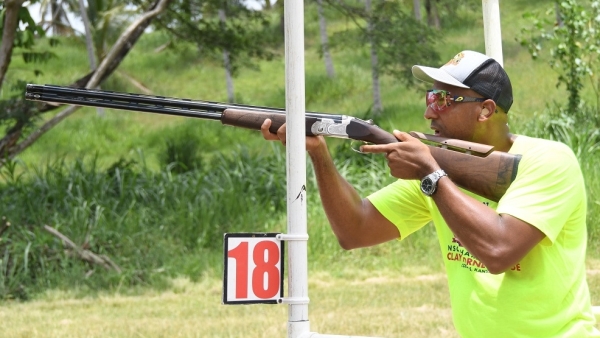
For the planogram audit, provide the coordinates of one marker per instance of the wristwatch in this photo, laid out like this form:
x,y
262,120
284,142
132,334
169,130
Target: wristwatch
x,y
429,182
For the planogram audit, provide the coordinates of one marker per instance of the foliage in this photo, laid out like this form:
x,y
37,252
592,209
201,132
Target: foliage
x,y
213,26
392,27
108,19
142,220
16,109
458,15
25,38
28,29
580,130
575,49
574,45
182,154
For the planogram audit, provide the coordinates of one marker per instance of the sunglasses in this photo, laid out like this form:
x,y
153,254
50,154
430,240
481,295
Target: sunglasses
x,y
439,99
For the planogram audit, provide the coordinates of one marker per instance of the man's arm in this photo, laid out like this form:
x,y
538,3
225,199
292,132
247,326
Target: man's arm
x,y
499,241
355,221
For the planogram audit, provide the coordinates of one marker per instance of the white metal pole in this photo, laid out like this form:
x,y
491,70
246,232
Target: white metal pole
x,y
491,29
297,300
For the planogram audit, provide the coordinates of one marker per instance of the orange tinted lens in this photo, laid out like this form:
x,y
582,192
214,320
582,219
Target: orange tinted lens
x,y
436,99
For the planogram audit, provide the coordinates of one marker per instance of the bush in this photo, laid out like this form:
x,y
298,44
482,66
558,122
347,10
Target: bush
x,y
580,130
143,221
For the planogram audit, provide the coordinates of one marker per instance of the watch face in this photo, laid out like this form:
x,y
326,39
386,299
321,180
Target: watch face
x,y
427,186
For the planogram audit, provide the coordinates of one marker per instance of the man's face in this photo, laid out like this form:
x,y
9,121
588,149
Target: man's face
x,y
457,120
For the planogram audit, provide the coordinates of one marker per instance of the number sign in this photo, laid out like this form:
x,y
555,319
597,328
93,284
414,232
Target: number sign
x,y
253,270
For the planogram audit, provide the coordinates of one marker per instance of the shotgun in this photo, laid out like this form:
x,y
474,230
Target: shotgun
x,y
472,166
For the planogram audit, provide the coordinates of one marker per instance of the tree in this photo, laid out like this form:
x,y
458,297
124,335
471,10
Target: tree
x,y
18,137
12,13
227,65
395,38
89,43
236,37
59,22
377,105
573,34
433,16
417,9
325,41
572,37
18,31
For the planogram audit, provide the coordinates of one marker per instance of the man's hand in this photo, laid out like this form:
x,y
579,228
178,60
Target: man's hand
x,y
312,142
408,159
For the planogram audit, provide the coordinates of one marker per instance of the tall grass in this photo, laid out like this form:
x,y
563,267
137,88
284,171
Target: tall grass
x,y
580,130
144,220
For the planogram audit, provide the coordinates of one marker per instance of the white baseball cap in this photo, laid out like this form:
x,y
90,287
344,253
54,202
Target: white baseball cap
x,y
473,70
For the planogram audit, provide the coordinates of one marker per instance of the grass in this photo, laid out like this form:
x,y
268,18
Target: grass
x,y
355,303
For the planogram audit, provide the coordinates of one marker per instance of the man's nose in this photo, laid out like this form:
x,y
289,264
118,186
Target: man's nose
x,y
430,114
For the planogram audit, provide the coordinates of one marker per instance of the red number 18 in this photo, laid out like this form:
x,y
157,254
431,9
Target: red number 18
x,y
265,256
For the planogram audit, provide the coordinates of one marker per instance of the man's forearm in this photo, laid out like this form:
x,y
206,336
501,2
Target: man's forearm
x,y
341,202
498,241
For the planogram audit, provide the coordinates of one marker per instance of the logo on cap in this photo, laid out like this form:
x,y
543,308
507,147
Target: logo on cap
x,y
455,60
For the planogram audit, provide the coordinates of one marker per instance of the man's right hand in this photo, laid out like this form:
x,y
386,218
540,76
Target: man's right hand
x,y
313,143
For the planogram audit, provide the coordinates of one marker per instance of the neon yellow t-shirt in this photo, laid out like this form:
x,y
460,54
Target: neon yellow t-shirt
x,y
546,293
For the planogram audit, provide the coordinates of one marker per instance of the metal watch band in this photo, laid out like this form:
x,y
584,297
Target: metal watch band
x,y
429,182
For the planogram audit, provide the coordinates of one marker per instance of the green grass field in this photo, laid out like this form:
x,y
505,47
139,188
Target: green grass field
x,y
409,302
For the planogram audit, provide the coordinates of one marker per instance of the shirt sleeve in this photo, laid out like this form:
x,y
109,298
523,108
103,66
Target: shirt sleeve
x,y
403,204
547,190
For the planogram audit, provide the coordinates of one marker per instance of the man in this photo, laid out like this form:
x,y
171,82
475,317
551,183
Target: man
x,y
515,267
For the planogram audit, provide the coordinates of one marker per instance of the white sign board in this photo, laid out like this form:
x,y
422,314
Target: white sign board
x,y
253,269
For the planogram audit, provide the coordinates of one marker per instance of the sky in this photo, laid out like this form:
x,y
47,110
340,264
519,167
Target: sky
x,y
34,10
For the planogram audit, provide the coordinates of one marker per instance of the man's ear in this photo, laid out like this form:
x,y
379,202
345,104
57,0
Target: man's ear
x,y
488,109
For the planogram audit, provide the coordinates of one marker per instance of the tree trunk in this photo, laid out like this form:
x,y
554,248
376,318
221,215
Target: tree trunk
x,y
8,144
377,105
11,22
89,43
417,10
433,17
325,41
227,65
279,6
559,20
60,21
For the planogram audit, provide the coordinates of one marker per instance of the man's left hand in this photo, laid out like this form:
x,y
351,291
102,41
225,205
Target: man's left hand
x,y
408,159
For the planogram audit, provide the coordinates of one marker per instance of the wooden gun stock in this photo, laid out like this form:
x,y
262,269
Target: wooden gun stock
x,y
488,176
